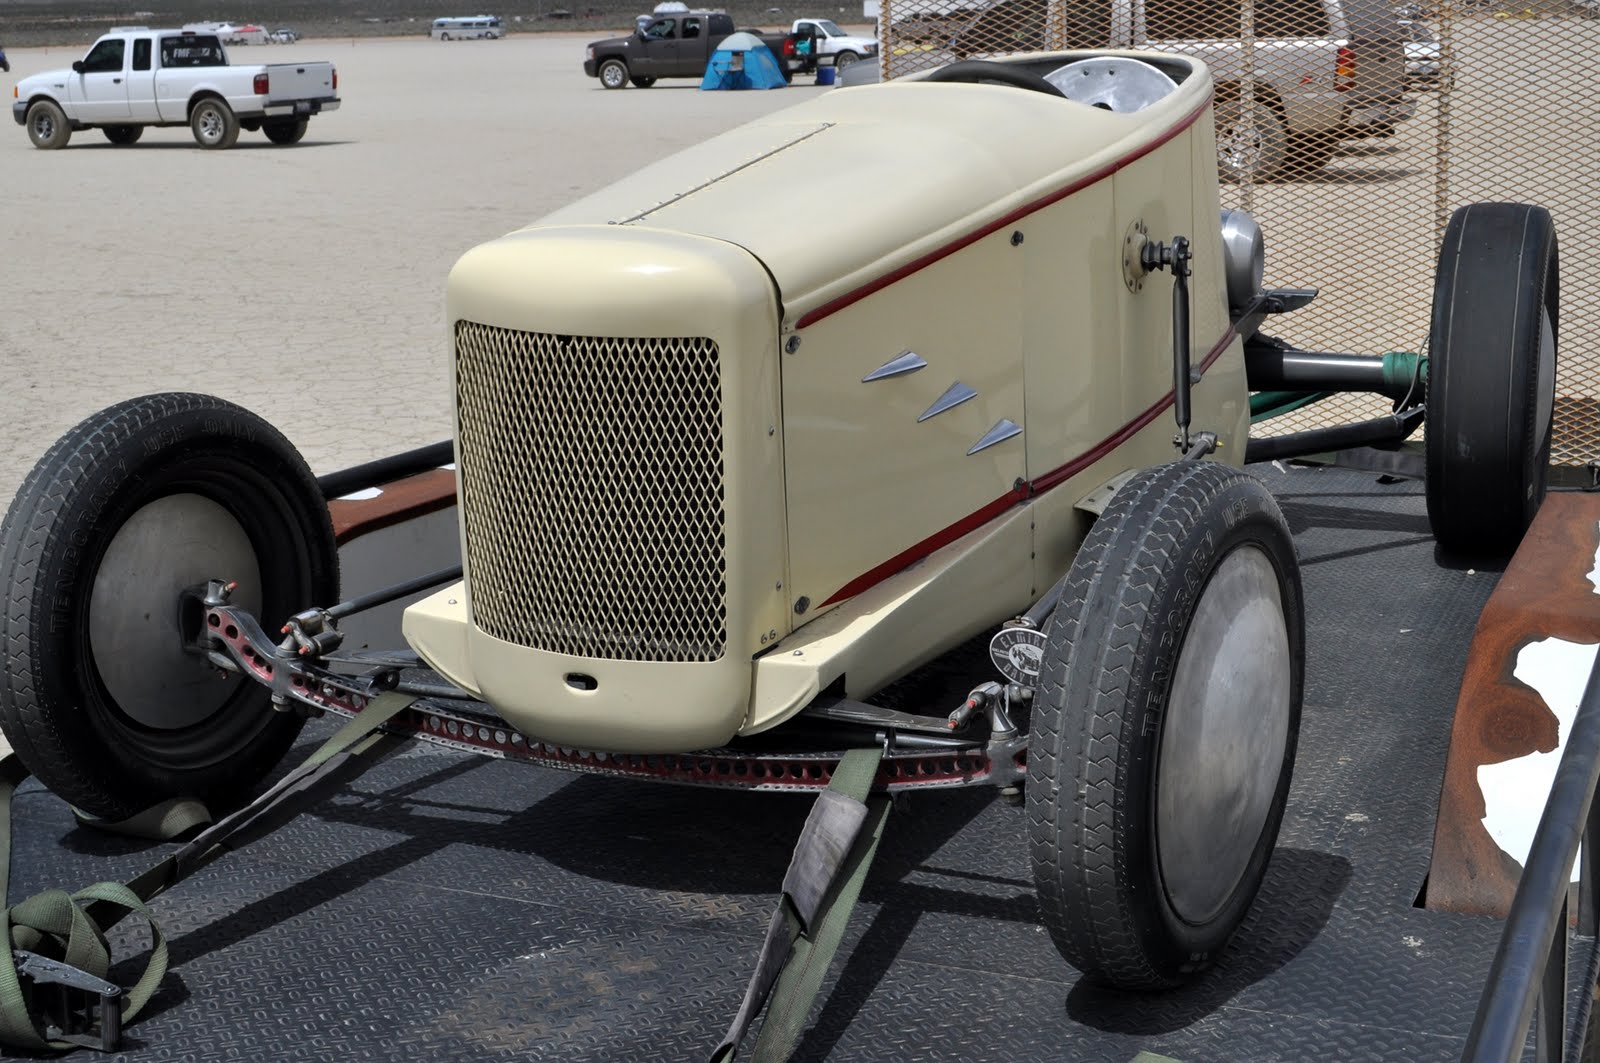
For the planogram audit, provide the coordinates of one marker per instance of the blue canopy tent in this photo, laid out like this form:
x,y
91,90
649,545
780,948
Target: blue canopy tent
x,y
742,61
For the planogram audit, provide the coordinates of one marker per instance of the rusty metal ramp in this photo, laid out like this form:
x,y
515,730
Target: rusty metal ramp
x,y
447,907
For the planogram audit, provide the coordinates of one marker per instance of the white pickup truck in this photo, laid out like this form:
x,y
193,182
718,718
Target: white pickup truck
x,y
140,77
830,43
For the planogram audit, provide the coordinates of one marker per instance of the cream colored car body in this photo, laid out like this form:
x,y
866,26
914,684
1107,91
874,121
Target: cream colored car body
x,y
858,537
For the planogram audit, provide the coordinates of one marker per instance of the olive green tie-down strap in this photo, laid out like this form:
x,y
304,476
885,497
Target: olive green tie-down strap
x,y
71,928
822,884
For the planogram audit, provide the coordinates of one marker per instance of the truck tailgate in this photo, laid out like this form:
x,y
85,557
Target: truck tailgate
x,y
287,82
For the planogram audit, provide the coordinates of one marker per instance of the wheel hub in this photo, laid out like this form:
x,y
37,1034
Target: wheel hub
x,y
1223,741
135,633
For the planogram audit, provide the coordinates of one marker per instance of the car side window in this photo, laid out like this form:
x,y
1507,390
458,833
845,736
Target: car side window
x,y
1186,20
1292,18
141,54
691,28
661,29
104,58
191,51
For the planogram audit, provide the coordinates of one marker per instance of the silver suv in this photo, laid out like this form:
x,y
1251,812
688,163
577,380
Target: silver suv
x,y
1325,70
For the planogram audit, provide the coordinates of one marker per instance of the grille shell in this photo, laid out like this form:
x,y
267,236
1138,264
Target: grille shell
x,y
593,492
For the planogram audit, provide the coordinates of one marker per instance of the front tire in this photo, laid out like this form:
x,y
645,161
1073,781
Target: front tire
x,y
155,495
1253,146
1165,724
213,124
1491,375
844,59
285,131
47,125
123,135
613,74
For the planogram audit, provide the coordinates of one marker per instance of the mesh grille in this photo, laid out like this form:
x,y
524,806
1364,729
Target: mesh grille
x,y
1506,108
592,492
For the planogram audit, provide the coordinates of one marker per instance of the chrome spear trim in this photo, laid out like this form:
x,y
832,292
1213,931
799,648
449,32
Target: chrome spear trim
x,y
1001,432
904,362
953,396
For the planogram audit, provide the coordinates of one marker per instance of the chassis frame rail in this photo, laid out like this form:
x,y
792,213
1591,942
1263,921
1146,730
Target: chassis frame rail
x,y
1529,971
235,642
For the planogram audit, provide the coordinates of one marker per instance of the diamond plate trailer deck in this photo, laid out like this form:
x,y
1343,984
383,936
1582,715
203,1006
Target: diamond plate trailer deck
x,y
446,906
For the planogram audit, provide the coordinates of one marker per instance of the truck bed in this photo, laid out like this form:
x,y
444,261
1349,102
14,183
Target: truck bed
x,y
449,907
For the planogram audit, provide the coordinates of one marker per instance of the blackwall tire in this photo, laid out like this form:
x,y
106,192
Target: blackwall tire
x,y
213,124
844,59
285,131
1491,375
123,135
1164,728
1253,146
125,511
47,125
614,74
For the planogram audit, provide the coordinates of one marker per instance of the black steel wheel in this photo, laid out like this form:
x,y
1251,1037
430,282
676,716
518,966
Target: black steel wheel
x,y
285,131
1164,727
1491,375
124,513
123,134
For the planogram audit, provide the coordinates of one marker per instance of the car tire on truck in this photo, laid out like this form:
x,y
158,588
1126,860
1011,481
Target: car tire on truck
x,y
285,131
1165,723
123,134
844,59
1491,375
111,537
214,124
613,74
47,125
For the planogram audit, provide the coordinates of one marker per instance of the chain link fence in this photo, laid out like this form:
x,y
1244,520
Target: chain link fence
x,y
1357,130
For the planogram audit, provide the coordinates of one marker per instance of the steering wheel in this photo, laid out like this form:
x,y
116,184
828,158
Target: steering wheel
x,y
974,71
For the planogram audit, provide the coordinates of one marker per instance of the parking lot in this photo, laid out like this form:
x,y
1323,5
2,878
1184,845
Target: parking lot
x,y
306,283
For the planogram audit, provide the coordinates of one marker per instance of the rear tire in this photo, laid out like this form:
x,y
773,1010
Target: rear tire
x,y
1165,723
123,134
154,495
614,74
1309,152
213,124
1253,146
285,131
47,125
1491,375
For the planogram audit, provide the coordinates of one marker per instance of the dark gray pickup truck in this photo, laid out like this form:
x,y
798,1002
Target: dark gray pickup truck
x,y
675,46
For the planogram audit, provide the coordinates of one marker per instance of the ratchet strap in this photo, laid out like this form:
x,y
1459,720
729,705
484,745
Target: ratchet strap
x,y
820,888
53,952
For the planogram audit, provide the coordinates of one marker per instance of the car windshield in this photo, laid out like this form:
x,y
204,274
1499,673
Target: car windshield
x,y
830,27
1419,34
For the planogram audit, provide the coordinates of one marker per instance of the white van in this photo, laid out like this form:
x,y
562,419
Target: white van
x,y
461,29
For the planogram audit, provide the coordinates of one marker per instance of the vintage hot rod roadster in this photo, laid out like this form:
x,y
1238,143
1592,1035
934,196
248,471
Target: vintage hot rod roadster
x,y
717,485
